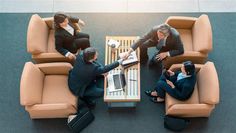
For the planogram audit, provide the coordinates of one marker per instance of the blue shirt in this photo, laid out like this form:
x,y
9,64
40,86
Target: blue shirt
x,y
182,76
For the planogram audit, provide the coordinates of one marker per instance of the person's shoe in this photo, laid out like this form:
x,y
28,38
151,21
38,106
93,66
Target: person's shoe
x,y
157,100
148,93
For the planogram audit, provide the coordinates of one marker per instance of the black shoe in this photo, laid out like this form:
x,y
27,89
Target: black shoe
x,y
156,100
148,93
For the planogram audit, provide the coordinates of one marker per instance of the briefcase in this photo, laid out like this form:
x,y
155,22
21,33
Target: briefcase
x,y
83,118
176,124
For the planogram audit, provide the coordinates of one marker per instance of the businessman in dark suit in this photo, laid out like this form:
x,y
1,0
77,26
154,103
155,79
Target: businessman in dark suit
x,y
179,85
83,78
67,40
166,40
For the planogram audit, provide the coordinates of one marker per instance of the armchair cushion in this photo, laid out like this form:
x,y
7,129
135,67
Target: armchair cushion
x,y
208,84
56,90
186,37
51,43
37,35
31,85
194,99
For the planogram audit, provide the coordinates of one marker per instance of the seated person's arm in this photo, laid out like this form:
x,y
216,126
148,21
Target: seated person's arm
x,y
104,69
141,40
76,20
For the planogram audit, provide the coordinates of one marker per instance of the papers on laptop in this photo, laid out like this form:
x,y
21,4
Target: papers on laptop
x,y
113,43
116,81
132,59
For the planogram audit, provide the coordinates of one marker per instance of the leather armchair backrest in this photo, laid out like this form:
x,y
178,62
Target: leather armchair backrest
x,y
37,35
202,35
31,85
208,84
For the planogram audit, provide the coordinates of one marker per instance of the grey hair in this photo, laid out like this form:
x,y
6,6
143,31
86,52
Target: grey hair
x,y
89,53
165,29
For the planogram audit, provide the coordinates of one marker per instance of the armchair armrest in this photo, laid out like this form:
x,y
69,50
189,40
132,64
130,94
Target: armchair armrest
x,y
55,68
47,55
195,57
181,22
50,23
176,67
52,106
56,110
50,57
190,110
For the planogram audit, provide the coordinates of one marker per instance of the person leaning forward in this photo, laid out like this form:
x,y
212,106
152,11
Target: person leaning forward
x,y
166,40
84,77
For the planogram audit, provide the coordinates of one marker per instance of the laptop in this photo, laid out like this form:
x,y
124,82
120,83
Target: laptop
x,y
116,82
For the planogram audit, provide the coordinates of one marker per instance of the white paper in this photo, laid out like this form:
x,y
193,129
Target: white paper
x,y
132,58
111,42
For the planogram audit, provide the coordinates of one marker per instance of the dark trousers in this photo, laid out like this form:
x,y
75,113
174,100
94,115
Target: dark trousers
x,y
144,53
94,90
162,85
81,42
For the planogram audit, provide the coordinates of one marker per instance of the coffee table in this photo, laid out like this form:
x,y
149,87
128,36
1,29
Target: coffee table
x,y
131,94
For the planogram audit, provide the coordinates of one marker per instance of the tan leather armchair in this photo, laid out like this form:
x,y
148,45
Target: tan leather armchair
x,y
41,40
205,95
196,34
44,91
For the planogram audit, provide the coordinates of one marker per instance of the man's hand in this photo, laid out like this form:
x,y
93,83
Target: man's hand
x,y
72,56
171,72
81,22
161,56
78,51
105,74
125,56
170,83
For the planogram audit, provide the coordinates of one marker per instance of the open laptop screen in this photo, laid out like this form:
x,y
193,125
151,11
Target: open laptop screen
x,y
116,79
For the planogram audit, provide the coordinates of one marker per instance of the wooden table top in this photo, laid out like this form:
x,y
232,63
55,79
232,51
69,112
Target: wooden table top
x,y
131,91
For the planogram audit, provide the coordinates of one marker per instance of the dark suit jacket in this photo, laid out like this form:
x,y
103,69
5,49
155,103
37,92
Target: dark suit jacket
x,y
63,39
173,42
183,88
83,74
